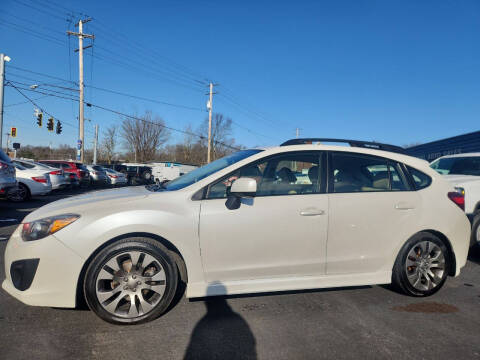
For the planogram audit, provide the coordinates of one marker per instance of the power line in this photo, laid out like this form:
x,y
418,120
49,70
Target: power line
x,y
121,114
38,106
25,102
41,74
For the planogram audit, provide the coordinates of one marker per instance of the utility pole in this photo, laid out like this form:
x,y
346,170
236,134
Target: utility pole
x,y
95,146
3,58
297,132
81,132
209,108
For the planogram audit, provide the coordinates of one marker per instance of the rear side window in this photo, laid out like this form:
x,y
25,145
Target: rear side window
x,y
363,173
420,179
25,164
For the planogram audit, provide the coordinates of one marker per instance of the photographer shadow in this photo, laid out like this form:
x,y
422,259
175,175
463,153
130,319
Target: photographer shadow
x,y
221,333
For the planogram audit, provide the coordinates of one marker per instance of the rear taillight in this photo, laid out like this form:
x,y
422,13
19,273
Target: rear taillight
x,y
458,197
56,172
3,166
113,176
40,179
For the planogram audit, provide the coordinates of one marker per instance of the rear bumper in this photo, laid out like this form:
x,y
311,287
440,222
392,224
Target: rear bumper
x,y
53,282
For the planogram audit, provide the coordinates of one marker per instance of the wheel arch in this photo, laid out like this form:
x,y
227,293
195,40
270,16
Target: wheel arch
x,y
179,260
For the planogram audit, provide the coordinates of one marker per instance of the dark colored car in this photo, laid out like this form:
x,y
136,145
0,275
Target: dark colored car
x,y
136,175
70,167
7,174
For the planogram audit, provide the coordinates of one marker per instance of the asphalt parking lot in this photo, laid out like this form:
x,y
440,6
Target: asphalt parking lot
x,y
363,322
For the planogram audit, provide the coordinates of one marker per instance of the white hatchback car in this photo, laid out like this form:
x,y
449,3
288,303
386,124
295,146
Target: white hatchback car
x,y
297,216
30,182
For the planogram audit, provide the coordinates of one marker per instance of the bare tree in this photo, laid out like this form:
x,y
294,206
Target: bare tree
x,y
109,143
221,135
144,135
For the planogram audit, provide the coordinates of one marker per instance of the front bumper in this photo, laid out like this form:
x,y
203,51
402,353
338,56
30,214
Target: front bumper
x,y
55,278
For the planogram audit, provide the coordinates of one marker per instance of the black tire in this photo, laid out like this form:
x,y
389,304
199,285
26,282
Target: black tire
x,y
20,194
475,237
400,279
145,246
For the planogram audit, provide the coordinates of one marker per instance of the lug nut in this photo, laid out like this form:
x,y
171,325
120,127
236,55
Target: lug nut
x,y
134,276
125,279
134,289
139,282
125,287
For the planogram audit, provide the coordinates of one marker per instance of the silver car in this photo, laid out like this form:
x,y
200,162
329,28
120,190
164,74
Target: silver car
x,y
97,174
7,174
116,177
57,177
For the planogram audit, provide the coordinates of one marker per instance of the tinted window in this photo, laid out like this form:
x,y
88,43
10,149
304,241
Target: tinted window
x,y
286,174
97,168
468,165
420,179
24,164
363,173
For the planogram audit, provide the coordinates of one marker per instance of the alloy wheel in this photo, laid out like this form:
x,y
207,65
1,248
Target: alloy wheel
x,y
18,194
425,266
130,284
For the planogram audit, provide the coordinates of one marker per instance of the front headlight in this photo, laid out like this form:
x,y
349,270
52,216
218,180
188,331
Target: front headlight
x,y
39,229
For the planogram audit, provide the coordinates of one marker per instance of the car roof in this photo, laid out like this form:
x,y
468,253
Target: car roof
x,y
360,150
460,155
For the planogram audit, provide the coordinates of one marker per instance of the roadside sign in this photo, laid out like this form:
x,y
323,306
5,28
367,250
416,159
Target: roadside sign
x,y
16,146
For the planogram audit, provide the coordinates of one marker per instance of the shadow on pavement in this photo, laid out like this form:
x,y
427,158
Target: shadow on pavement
x,y
221,333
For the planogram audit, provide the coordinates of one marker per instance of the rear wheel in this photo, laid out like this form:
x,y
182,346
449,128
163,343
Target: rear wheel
x,y
19,194
131,281
422,266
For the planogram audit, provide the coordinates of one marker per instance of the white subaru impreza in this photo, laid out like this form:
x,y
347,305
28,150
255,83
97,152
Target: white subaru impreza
x,y
298,216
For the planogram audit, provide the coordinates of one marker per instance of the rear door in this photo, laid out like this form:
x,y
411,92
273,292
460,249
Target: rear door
x,y
371,210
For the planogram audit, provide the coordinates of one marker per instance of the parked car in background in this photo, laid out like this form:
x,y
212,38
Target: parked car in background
x,y
70,167
7,174
167,171
73,179
57,176
98,176
463,171
245,224
30,182
136,174
115,177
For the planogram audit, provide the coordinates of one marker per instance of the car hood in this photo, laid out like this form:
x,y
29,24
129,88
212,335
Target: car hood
x,y
461,179
81,204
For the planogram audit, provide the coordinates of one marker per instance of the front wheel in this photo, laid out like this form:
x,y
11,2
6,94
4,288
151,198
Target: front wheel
x,y
422,266
131,281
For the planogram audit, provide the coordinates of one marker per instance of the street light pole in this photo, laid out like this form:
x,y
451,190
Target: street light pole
x,y
3,58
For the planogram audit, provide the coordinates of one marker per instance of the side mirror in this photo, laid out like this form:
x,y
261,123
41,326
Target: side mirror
x,y
243,187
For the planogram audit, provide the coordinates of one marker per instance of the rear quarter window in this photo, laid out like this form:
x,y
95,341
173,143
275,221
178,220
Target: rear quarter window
x,y
420,179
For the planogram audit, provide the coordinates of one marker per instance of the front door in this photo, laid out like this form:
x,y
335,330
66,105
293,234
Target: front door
x,y
281,232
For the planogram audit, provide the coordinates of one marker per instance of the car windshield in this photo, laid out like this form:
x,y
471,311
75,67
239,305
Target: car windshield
x,y
207,170
468,165
97,168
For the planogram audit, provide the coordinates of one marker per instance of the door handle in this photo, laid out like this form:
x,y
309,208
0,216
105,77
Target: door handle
x,y
402,205
311,212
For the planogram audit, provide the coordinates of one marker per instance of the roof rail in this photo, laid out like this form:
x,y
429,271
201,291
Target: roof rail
x,y
353,143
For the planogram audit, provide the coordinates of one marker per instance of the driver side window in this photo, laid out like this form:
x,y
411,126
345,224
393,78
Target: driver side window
x,y
285,174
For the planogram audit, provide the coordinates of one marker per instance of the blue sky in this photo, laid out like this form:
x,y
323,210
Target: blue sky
x,y
399,72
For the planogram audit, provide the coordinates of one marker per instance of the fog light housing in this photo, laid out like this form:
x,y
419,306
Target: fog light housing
x,y
22,273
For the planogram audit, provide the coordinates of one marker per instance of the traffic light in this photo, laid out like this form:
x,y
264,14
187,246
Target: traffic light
x,y
39,119
59,127
13,132
50,124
